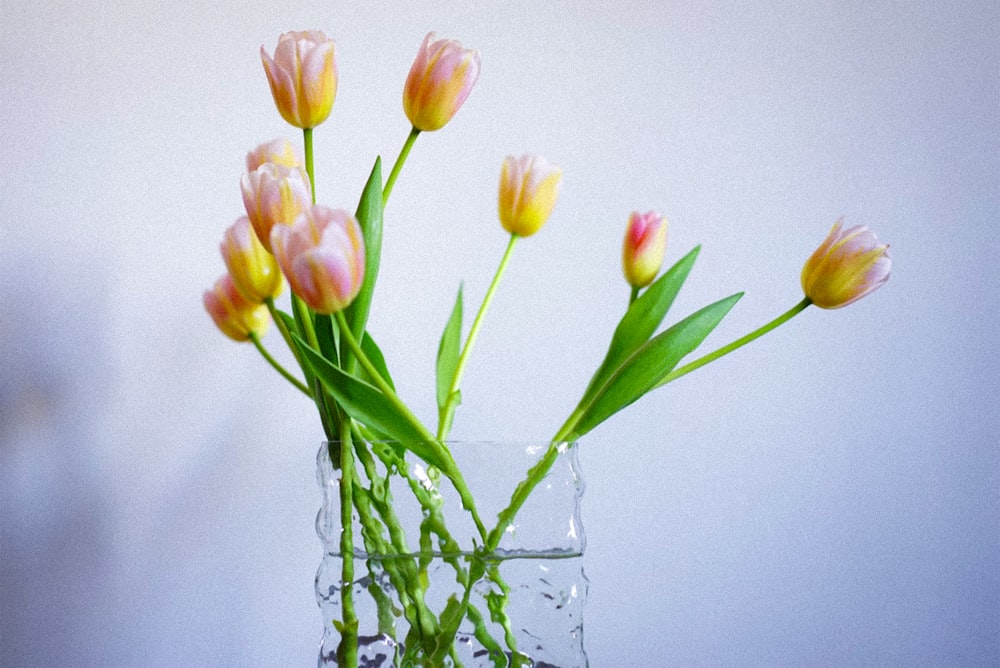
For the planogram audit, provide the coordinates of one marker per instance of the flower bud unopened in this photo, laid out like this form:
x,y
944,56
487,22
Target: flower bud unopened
x,y
322,254
847,266
440,79
303,77
644,247
529,187
235,315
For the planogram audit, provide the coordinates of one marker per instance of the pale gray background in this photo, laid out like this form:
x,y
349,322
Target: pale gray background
x,y
828,496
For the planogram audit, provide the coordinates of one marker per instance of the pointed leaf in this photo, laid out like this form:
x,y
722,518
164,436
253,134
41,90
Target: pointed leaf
x,y
449,350
366,404
374,355
328,337
369,215
641,319
655,359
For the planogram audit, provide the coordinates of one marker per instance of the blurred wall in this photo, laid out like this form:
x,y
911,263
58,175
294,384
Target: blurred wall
x,y
827,496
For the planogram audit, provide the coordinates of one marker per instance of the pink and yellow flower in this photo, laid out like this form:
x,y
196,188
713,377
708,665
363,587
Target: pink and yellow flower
x,y
279,151
322,254
441,78
847,266
303,77
254,270
235,315
274,194
529,187
644,247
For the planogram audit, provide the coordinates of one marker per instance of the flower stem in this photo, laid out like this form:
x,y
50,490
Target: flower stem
x,y
307,141
348,649
277,366
445,418
450,469
738,343
394,174
634,295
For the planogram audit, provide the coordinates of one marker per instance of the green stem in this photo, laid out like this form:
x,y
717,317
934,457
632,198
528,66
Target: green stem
x,y
538,471
451,469
348,650
277,366
307,141
400,159
738,343
449,408
634,295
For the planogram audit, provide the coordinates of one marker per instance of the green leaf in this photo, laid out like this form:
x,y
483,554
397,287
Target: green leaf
x,y
642,318
369,215
374,355
649,363
366,404
449,350
328,337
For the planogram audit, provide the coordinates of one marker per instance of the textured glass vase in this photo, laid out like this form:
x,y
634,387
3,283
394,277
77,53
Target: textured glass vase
x,y
435,598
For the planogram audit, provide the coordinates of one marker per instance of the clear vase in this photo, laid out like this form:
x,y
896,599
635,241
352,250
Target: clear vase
x,y
424,592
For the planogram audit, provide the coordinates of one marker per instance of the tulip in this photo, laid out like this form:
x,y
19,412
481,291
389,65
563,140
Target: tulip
x,y
279,151
529,187
254,270
235,315
274,194
848,265
303,77
644,247
441,77
322,254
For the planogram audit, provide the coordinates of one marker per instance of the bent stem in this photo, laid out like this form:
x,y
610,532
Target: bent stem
x,y
738,343
277,366
449,408
400,159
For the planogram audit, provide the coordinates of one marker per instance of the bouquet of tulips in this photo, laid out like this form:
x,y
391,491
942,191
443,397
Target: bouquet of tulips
x,y
330,258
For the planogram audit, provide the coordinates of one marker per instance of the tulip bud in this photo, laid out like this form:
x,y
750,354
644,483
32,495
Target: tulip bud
x,y
529,187
254,270
848,265
234,314
644,247
322,254
441,77
303,77
279,151
273,194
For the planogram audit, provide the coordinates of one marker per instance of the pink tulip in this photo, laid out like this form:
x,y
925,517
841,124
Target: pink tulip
x,y
273,195
234,314
322,255
278,151
848,265
303,77
529,187
253,269
644,247
441,77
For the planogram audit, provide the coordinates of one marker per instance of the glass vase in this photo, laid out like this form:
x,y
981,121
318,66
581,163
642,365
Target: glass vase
x,y
423,589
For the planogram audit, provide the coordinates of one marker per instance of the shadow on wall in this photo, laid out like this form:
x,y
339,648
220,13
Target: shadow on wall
x,y
55,534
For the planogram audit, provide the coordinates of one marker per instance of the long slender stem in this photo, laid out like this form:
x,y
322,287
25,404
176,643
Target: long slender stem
x,y
445,418
307,141
277,366
738,343
537,473
348,650
400,159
